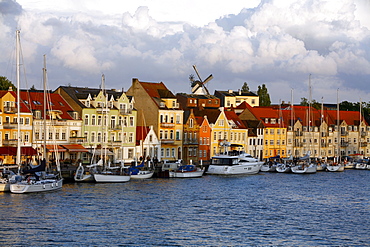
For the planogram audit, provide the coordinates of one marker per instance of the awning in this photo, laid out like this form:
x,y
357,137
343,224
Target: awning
x,y
75,148
55,148
26,151
100,151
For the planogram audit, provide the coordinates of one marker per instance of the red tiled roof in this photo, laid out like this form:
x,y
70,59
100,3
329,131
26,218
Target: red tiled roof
x,y
35,101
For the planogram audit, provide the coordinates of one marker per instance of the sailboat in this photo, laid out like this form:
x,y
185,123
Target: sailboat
x,y
36,179
336,165
116,174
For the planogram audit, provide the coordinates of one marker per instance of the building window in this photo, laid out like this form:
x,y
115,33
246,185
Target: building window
x,y
93,120
86,120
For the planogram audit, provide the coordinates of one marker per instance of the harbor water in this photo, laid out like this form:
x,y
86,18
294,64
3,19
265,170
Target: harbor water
x,y
267,209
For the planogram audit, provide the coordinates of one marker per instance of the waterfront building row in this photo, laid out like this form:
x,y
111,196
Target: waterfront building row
x,y
150,121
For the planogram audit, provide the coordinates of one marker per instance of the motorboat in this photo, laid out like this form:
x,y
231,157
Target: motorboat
x,y
187,171
140,171
234,163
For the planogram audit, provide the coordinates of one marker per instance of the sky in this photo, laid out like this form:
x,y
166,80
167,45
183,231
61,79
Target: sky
x,y
294,47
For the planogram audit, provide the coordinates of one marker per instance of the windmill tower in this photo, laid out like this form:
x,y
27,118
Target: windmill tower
x,y
198,86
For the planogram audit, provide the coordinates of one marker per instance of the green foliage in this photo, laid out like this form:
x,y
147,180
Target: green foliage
x,y
314,103
264,96
5,83
245,88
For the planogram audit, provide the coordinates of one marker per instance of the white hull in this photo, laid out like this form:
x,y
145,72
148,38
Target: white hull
x,y
187,174
304,169
361,166
267,168
335,168
321,167
283,169
143,175
243,168
349,165
38,186
4,187
110,178
87,178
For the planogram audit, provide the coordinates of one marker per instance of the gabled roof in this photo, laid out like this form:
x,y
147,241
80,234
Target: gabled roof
x,y
82,93
23,107
141,133
157,90
231,115
34,100
212,114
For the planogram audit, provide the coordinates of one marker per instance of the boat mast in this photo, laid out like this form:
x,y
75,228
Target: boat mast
x,y
338,146
44,156
18,159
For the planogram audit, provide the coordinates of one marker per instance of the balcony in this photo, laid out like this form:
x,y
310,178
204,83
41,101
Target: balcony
x,y
344,133
167,125
10,142
344,144
10,109
102,110
298,133
167,141
116,127
58,123
77,140
363,144
10,125
189,141
125,111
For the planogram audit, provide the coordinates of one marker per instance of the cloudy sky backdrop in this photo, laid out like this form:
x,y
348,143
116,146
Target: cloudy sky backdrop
x,y
272,42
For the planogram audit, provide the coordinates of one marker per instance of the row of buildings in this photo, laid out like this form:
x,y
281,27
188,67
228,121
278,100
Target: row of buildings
x,y
149,121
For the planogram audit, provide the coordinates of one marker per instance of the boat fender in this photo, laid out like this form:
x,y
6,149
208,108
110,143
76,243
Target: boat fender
x,y
52,185
43,186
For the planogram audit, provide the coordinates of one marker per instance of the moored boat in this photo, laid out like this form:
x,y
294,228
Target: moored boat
x,y
85,176
304,166
187,171
234,163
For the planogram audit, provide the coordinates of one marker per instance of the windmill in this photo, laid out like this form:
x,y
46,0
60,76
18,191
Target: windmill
x,y
198,86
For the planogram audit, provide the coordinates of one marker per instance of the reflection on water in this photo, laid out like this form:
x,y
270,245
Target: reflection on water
x,y
264,209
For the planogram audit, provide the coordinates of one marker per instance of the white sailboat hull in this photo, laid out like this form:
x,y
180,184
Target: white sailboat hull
x,y
111,178
4,187
283,169
241,168
187,174
361,166
143,175
335,168
304,169
38,186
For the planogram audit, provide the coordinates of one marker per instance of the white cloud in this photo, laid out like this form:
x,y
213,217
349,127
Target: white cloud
x,y
277,43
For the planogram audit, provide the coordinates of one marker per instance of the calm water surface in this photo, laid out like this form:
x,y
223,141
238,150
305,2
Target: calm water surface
x,y
268,209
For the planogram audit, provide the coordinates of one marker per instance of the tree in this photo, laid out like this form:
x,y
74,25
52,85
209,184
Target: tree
x,y
264,96
245,88
5,83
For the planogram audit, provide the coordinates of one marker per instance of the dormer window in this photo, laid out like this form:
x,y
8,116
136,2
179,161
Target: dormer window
x,y
162,105
87,103
266,120
273,121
